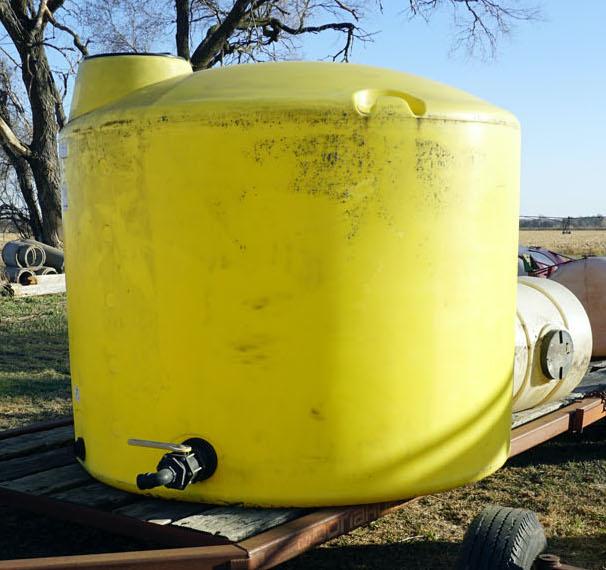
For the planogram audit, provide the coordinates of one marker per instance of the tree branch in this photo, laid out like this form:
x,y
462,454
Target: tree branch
x,y
82,47
13,141
54,5
480,23
42,9
217,36
273,27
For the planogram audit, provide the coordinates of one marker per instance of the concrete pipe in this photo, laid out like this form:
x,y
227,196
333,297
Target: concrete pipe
x,y
46,271
21,275
21,253
54,256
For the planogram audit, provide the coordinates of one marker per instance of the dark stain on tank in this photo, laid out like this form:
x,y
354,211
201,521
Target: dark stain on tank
x,y
330,157
431,157
317,414
258,303
433,162
241,246
117,123
251,352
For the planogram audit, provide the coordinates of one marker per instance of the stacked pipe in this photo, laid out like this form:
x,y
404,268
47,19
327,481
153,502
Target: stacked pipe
x,y
24,259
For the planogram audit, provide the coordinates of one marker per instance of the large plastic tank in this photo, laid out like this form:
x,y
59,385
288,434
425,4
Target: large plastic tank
x,y
553,343
282,260
586,278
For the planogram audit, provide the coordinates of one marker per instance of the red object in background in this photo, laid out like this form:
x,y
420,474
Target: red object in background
x,y
538,261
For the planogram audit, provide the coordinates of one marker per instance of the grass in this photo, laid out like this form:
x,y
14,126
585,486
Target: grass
x,y
34,368
563,480
577,243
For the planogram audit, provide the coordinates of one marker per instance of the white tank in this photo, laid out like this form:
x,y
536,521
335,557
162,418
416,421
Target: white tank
x,y
553,343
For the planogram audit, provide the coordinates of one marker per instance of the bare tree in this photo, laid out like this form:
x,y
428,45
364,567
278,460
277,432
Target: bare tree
x,y
206,32
223,32
479,23
18,202
25,24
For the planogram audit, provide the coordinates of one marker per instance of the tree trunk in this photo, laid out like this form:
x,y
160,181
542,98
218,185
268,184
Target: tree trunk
x,y
182,35
22,170
44,160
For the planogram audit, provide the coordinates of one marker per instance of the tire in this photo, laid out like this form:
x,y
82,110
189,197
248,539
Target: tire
x,y
501,538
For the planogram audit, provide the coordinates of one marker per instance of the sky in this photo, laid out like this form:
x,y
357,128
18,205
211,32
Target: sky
x,y
551,74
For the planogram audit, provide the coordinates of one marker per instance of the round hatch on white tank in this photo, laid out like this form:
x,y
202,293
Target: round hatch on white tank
x,y
553,343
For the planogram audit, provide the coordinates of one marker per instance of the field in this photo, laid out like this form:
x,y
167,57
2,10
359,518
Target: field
x,y
577,243
564,480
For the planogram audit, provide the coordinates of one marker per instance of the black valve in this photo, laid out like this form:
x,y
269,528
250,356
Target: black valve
x,y
177,470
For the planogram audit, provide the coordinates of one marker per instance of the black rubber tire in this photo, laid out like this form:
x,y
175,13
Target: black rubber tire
x,y
501,538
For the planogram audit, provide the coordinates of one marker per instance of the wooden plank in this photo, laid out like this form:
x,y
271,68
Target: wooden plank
x,y
21,466
44,482
38,426
526,416
108,521
43,440
238,523
96,495
47,285
161,511
592,382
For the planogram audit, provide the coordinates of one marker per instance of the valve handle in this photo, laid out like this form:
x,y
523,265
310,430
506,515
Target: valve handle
x,y
174,447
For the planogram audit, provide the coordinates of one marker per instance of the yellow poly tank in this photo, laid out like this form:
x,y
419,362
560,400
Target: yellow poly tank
x,y
553,343
308,267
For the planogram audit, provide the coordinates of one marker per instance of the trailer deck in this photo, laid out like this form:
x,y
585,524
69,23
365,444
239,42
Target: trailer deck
x,y
38,472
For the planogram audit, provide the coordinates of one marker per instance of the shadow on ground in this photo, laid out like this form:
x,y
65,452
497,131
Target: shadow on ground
x,y
406,555
578,551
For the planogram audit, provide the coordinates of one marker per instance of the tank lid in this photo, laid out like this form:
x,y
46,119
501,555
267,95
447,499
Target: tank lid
x,y
341,85
128,54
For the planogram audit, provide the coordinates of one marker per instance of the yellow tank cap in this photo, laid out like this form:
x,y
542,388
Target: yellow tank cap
x,y
105,78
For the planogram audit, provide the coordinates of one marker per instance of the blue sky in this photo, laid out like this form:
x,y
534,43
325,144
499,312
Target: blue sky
x,y
550,74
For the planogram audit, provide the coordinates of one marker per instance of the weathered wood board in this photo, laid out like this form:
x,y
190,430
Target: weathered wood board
x,y
46,285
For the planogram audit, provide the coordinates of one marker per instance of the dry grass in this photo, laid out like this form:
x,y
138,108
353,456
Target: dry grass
x,y
563,480
577,243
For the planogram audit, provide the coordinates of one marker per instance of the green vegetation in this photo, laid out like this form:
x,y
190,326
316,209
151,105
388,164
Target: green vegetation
x,y
563,480
34,367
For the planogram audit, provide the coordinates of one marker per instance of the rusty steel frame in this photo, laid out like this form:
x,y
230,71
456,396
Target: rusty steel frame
x,y
268,548
573,418
552,562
